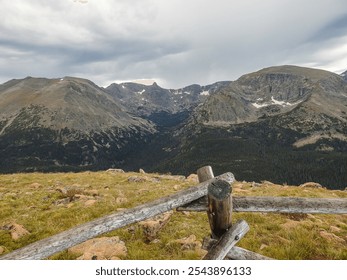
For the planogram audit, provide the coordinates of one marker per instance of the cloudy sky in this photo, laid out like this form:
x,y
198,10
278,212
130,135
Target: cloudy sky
x,y
175,42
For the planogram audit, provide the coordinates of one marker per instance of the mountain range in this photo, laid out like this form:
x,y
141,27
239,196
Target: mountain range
x,y
285,124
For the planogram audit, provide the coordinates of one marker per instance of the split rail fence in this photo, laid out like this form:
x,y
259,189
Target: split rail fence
x,y
213,195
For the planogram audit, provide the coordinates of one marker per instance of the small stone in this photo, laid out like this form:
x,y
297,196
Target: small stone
x,y
112,170
136,179
254,184
62,190
17,231
63,201
142,171
263,246
193,178
189,243
103,248
151,227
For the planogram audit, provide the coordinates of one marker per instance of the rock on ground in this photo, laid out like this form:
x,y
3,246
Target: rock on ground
x,y
193,178
16,230
112,170
151,227
311,185
102,248
189,243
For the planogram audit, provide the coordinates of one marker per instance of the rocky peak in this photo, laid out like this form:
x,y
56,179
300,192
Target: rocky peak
x,y
274,91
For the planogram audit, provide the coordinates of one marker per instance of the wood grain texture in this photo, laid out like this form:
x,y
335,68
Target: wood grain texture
x,y
228,241
279,205
219,207
205,173
235,253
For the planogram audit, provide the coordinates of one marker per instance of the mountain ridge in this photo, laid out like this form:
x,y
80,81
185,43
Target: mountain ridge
x,y
282,123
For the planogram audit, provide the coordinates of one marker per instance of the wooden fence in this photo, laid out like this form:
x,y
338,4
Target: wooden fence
x,y
212,194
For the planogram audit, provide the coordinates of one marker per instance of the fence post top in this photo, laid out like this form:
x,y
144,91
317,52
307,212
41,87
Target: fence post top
x,y
219,189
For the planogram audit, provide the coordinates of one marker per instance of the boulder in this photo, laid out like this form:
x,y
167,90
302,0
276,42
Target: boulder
x,y
311,185
102,248
142,171
136,179
112,170
151,227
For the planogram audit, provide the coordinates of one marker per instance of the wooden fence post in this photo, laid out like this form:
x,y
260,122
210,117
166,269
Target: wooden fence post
x,y
46,247
219,207
205,173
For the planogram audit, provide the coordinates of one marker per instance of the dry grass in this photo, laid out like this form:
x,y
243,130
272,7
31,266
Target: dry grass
x,y
46,204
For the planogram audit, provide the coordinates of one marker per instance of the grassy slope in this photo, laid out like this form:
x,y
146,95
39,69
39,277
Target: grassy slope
x,y
30,200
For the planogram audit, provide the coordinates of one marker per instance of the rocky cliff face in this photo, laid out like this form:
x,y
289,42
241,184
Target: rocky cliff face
x,y
285,123
272,92
164,107
344,75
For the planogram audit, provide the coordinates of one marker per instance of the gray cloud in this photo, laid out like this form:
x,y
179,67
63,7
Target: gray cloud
x,y
177,42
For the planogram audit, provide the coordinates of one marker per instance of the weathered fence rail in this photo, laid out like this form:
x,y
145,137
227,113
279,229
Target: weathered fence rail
x,y
212,195
227,241
219,205
278,205
235,253
64,240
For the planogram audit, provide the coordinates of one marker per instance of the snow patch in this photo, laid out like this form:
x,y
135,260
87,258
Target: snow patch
x,y
187,92
205,92
281,103
273,102
260,105
123,86
142,91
